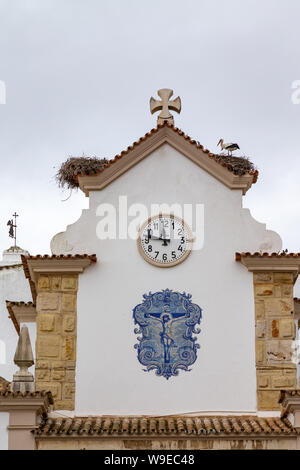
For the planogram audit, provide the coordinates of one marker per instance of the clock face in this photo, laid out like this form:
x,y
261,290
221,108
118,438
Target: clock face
x,y
165,240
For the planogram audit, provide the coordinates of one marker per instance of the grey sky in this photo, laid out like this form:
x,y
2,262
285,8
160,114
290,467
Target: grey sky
x,y
79,75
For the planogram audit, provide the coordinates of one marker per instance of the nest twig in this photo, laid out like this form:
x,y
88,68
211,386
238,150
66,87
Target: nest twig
x,y
238,165
67,174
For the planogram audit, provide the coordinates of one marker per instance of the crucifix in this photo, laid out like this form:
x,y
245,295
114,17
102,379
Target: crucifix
x,y
13,228
165,105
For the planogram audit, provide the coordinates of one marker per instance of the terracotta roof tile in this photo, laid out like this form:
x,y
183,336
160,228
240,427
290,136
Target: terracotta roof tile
x,y
257,254
10,266
4,385
19,304
43,394
177,425
227,162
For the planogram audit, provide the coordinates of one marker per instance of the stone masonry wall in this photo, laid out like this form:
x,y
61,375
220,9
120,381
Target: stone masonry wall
x,y
56,338
275,334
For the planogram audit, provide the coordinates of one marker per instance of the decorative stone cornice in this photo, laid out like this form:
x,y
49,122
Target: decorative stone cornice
x,y
34,266
270,262
40,402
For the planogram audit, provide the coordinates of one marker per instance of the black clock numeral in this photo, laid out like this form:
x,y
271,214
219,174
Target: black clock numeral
x,y
146,240
165,257
180,248
156,254
173,255
180,231
182,240
150,248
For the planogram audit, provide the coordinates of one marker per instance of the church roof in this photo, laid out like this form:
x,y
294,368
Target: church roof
x,y
144,426
235,172
21,312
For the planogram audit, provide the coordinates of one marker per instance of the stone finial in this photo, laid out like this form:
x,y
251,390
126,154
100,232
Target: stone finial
x,y
165,105
23,380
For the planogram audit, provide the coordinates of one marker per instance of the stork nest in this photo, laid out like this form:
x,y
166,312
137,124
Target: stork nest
x,y
238,165
74,166
67,175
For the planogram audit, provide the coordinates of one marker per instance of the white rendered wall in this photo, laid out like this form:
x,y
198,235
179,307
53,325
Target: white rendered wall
x,y
15,287
4,420
109,378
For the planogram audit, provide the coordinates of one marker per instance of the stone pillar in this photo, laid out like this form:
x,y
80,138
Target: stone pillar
x,y
275,335
56,337
24,410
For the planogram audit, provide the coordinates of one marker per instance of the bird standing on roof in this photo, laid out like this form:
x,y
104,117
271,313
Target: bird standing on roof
x,y
229,147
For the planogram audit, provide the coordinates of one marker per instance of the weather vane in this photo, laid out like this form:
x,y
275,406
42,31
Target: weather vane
x,y
13,228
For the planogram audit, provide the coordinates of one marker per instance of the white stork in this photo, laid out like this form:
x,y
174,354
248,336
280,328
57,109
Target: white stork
x,y
229,147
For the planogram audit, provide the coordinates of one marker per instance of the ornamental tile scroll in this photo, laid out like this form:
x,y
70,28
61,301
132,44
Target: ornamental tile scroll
x,y
167,322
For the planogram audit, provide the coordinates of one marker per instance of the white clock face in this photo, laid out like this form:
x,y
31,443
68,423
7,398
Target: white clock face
x,y
165,240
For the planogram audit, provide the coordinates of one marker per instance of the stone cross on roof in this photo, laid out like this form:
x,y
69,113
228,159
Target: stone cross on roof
x,y
165,105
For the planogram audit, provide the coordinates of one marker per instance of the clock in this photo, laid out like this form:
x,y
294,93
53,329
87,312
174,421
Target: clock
x,y
165,240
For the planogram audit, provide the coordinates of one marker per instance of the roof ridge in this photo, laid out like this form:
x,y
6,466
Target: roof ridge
x,y
217,157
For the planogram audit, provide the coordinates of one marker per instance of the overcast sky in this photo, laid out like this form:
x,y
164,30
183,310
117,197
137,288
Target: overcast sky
x,y
79,75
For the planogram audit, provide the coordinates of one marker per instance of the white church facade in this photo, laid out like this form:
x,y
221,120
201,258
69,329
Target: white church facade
x,y
166,315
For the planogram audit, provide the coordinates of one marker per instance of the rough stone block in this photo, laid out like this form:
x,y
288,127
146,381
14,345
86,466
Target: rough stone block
x,y
284,381
69,323
263,277
58,370
46,322
68,348
279,307
69,302
287,290
42,374
43,283
69,283
48,301
261,329
275,328
53,387
260,347
263,380
64,405
48,346
259,309
268,400
40,364
55,283
264,290
280,351
284,277
287,328
68,391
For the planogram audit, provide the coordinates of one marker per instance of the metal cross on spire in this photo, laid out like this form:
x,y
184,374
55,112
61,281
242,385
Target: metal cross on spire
x,y
165,105
13,227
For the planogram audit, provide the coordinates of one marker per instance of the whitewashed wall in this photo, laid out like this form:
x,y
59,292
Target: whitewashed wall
x,y
4,419
15,287
109,377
